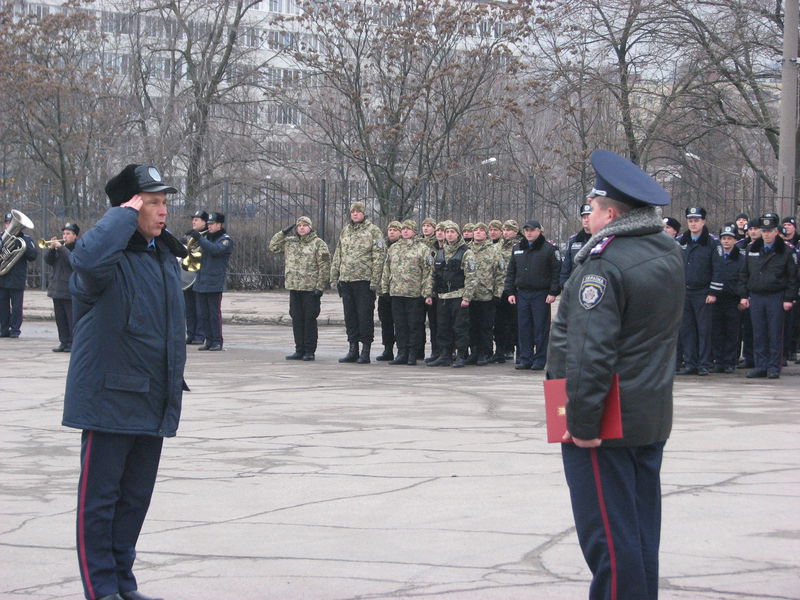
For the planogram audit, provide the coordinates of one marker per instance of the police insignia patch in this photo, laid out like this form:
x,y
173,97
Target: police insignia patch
x,y
472,265
592,290
379,243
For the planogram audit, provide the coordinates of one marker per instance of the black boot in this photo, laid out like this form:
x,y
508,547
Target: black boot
x,y
483,360
363,359
387,354
473,356
352,354
402,358
297,355
461,359
443,360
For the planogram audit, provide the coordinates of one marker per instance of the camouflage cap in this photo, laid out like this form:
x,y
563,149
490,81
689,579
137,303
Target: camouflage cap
x,y
496,224
512,225
359,206
468,227
410,224
429,221
394,225
482,225
303,221
441,225
452,225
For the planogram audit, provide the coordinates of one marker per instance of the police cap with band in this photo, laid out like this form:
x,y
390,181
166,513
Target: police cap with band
x,y
73,227
729,229
768,221
586,209
696,212
134,179
200,214
216,217
618,178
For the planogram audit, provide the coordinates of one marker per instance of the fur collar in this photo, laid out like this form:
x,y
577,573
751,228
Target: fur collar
x,y
536,244
639,221
686,237
779,246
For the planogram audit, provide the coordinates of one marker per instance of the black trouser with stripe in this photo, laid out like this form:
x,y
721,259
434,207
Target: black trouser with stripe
x,y
616,502
62,310
118,473
194,328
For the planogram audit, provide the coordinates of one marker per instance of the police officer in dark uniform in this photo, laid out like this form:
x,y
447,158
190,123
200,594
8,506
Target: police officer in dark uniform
x,y
58,284
725,313
12,286
672,227
574,244
125,379
702,257
619,314
216,246
194,335
769,287
741,222
752,233
792,320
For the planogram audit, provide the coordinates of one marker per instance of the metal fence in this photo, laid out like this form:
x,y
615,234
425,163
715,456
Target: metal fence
x,y
254,214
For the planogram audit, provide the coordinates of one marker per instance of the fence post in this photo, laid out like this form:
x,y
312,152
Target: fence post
x,y
323,196
531,191
423,207
226,194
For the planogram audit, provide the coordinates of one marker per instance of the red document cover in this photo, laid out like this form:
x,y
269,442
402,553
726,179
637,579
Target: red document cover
x,y
555,402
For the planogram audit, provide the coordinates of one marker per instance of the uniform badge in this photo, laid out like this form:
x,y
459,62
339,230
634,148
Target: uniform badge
x,y
502,265
472,265
379,243
592,290
719,250
226,242
558,255
429,259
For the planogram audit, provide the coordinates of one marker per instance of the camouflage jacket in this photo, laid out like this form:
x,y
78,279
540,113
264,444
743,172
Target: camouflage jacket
x,y
407,271
359,254
468,265
308,260
491,270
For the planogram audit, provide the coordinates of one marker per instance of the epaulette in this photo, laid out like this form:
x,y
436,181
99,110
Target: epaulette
x,y
600,248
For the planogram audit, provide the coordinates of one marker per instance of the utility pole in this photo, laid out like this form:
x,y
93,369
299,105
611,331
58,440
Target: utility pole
x,y
787,182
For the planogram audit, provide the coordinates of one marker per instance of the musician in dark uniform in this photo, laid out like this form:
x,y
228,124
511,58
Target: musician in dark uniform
x,y
574,244
194,334
12,286
216,247
619,314
125,378
58,284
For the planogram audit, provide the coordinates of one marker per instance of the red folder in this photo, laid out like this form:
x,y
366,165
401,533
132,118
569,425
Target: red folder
x,y
555,402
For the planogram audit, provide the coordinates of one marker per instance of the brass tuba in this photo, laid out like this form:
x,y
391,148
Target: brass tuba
x,y
13,246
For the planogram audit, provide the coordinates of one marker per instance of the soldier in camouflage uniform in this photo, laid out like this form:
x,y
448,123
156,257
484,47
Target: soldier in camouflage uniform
x,y
356,273
407,280
505,324
495,231
308,267
428,234
467,232
454,284
490,276
385,302
428,238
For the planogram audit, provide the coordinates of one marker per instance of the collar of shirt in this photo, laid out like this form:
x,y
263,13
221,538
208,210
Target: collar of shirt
x,y
696,239
151,244
767,248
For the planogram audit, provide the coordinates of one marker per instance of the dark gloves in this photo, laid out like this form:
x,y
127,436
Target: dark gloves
x,y
287,230
339,288
317,293
194,234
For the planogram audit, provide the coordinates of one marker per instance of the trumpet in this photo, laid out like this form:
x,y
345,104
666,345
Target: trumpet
x,y
193,260
43,243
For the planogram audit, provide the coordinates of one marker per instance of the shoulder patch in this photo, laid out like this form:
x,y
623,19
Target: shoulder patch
x,y
226,242
379,243
429,259
471,265
502,264
592,290
600,248
719,250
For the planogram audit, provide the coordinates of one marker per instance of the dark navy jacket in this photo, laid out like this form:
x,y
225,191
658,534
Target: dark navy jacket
x,y
217,248
15,278
128,351
729,276
533,267
574,245
58,284
702,260
769,272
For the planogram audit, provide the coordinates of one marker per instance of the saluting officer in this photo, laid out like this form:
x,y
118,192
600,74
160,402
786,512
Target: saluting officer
x,y
216,246
702,256
406,280
356,274
58,285
307,267
388,337
194,334
725,313
619,314
574,244
769,286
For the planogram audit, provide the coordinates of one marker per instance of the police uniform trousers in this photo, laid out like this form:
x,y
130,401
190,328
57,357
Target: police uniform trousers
x,y
62,309
430,312
387,322
193,326
616,502
725,327
359,311
481,326
789,321
696,330
533,326
209,315
409,324
304,310
452,326
10,312
505,326
747,338
766,314
118,472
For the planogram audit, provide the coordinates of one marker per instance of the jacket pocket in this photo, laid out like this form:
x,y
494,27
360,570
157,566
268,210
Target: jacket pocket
x,y
127,383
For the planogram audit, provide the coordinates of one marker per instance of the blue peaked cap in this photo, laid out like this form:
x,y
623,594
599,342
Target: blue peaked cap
x,y
624,181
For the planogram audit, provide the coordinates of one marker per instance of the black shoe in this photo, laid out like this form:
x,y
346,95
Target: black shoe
x,y
461,361
729,370
402,358
745,364
110,597
412,360
484,360
472,359
352,354
135,595
387,355
195,341
363,358
442,361
755,373
687,371
68,348
509,356
296,355
773,374
214,348
702,371
60,348
431,358
205,346
498,358
420,354
308,356
537,367
13,335
5,334
523,366
718,369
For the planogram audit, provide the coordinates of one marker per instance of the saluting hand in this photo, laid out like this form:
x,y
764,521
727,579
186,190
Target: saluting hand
x,y
135,203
